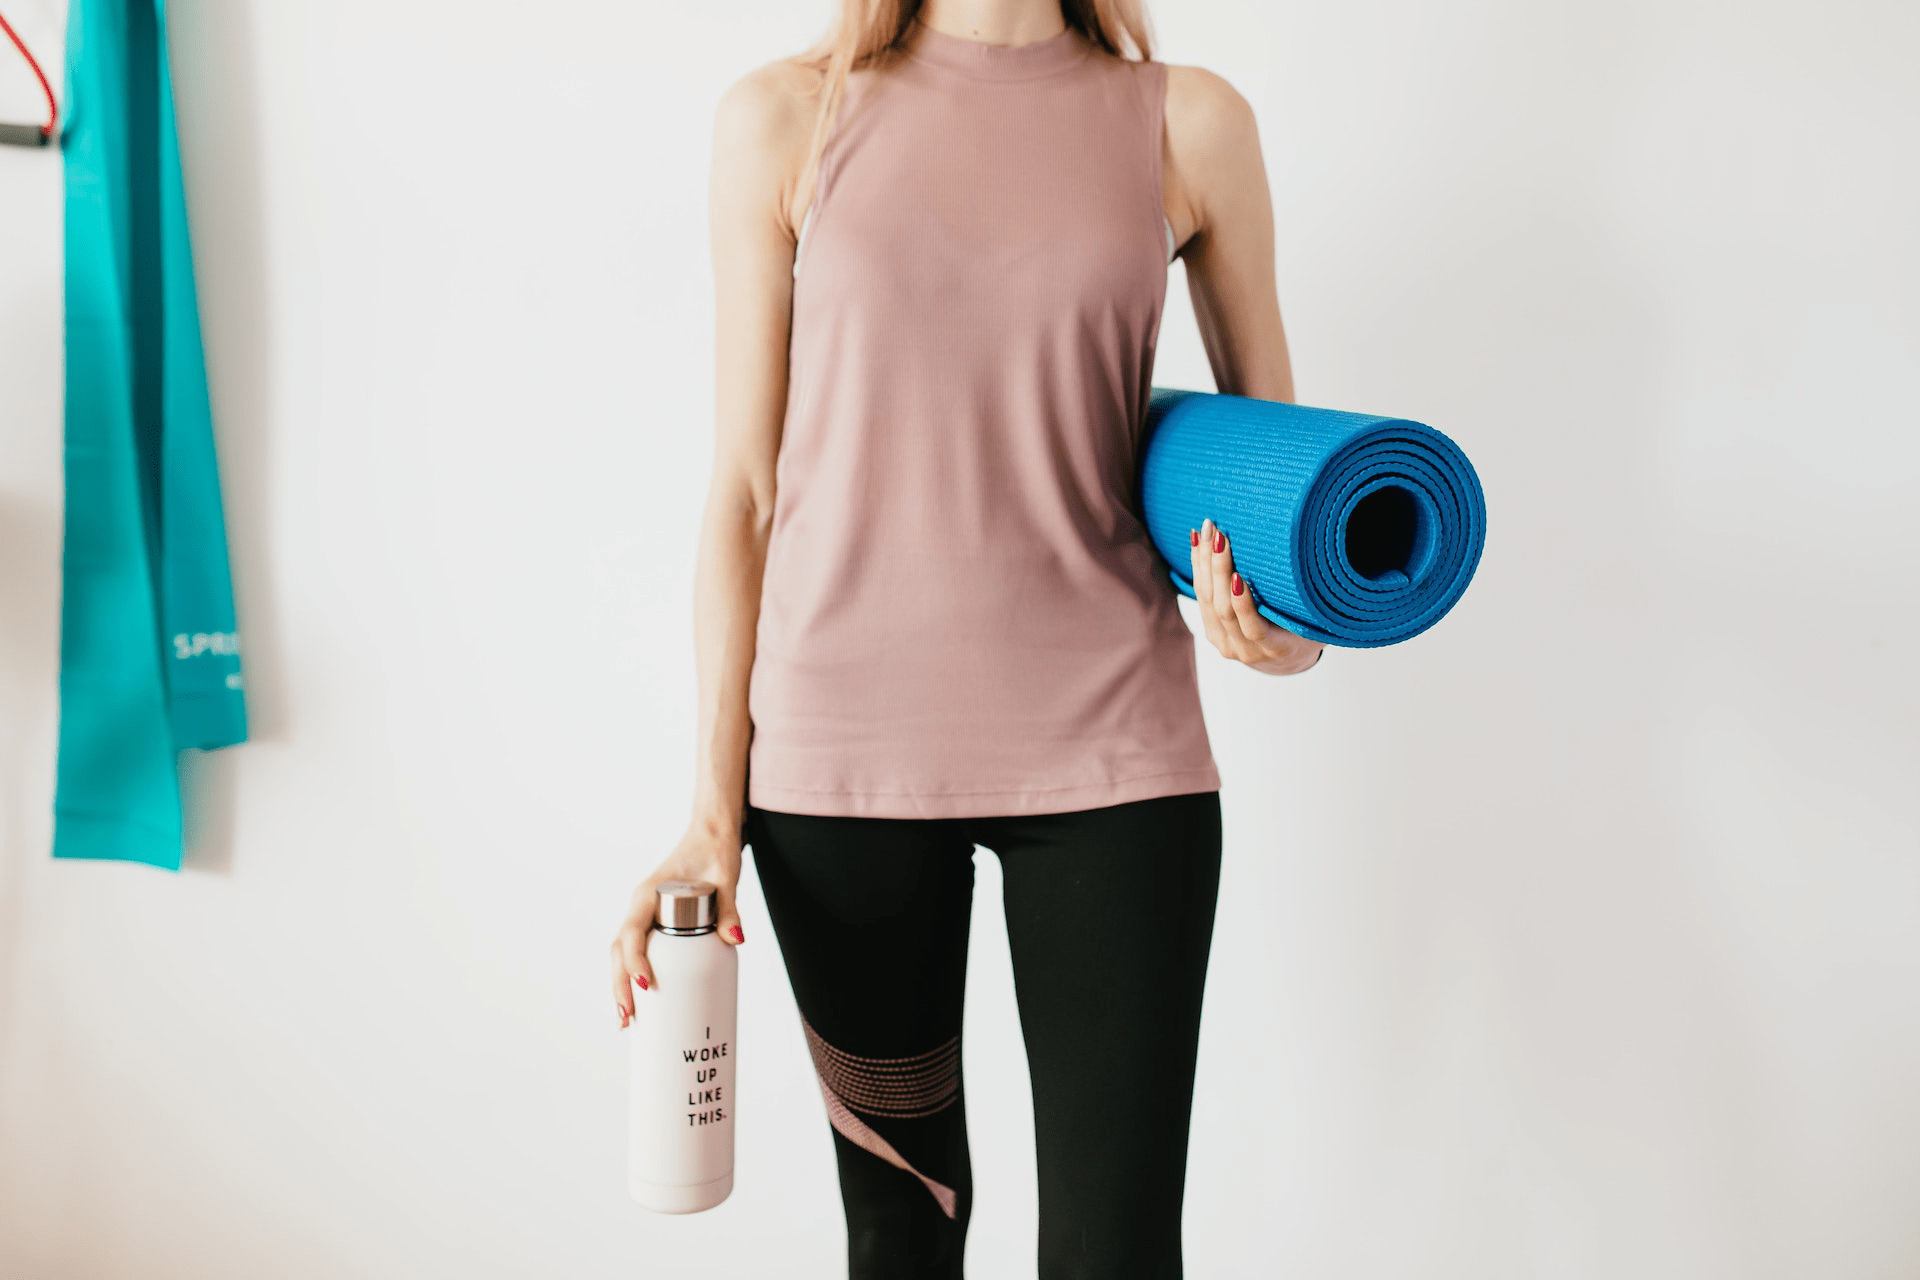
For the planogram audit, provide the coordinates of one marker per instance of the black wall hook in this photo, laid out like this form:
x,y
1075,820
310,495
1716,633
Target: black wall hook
x,y
26,135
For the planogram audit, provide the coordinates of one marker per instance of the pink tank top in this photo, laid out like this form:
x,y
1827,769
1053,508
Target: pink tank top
x,y
962,615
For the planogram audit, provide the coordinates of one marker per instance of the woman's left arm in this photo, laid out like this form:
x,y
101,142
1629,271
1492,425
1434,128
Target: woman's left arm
x,y
1214,184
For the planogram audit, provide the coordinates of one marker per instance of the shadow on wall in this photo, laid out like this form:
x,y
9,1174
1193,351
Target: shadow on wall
x,y
1526,867
1524,890
29,643
223,158
30,517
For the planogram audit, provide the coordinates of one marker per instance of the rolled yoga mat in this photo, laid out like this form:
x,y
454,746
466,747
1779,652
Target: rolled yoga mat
x,y
1348,529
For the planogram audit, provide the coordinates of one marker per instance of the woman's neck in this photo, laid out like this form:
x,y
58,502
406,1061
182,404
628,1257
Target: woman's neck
x,y
1008,22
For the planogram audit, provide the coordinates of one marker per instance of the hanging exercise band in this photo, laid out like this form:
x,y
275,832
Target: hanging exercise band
x,y
149,654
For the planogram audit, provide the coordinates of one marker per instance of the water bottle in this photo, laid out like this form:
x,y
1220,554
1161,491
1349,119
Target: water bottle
x,y
681,1056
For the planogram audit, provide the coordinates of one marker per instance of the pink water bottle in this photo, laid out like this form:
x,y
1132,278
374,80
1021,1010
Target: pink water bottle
x,y
681,1055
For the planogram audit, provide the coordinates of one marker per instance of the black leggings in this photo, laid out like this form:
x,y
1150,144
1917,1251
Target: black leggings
x,y
1109,917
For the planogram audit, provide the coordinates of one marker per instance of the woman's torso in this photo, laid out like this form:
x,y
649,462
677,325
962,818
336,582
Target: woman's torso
x,y
961,614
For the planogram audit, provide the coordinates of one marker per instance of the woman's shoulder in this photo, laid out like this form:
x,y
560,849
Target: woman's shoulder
x,y
1203,101
771,102
1210,130
1211,145
763,127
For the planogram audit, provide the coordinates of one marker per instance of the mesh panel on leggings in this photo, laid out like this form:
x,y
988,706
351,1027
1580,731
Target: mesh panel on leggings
x,y
901,1088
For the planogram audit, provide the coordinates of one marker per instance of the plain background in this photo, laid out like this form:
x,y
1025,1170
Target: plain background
x,y
1575,939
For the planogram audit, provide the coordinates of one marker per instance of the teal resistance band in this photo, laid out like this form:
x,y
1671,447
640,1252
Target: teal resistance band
x,y
149,658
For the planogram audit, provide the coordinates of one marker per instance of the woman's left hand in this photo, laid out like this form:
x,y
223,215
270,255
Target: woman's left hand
x,y
1234,626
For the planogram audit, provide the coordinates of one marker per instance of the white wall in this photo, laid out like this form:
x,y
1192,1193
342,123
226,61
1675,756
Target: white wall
x,y
1575,939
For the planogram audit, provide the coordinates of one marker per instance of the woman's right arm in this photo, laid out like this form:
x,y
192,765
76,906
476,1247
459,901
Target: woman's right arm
x,y
761,131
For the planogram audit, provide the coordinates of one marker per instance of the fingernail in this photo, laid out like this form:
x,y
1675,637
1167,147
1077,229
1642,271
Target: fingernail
x,y
738,936
642,980
623,1014
1239,587
1219,542
1193,536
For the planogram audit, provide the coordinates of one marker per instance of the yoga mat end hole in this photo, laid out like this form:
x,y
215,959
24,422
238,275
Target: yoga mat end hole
x,y
1382,531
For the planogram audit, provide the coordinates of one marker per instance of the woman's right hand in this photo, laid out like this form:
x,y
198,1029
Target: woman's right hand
x,y
706,852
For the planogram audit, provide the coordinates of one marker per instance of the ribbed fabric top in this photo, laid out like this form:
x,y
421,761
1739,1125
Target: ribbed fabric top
x,y
962,615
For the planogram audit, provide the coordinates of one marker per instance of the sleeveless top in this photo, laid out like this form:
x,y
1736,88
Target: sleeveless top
x,y
961,614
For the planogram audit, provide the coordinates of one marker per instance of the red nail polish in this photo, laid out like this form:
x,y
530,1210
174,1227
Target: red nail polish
x,y
643,983
1239,587
1219,542
1193,536
738,936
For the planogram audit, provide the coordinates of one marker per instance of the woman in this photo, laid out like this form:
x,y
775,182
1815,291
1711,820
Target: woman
x,y
927,613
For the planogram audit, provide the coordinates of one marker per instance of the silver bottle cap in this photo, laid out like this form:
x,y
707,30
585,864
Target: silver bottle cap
x,y
687,906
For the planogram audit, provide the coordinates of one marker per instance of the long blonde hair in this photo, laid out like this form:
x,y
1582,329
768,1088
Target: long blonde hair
x,y
870,33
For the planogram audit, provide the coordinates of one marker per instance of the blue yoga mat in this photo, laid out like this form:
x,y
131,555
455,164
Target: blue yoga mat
x,y
1348,529
149,654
